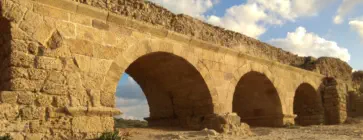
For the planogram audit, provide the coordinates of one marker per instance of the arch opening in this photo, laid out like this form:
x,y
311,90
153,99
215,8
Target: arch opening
x,y
256,101
176,93
308,106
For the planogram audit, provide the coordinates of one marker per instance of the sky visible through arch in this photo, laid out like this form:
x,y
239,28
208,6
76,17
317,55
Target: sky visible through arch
x,y
305,27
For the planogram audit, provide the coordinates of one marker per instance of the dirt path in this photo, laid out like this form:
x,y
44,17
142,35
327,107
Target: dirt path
x,y
323,132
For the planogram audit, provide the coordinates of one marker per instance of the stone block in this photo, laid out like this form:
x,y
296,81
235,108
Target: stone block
x,y
33,48
63,4
26,98
20,59
106,52
55,113
100,66
107,124
20,84
93,111
110,38
17,13
87,124
100,25
77,111
79,97
54,88
44,100
9,97
108,99
158,31
81,19
92,81
55,84
19,45
37,74
61,101
17,72
178,37
117,19
83,62
81,47
11,111
95,97
48,63
55,41
87,10
89,33
73,80
51,12
32,113
17,136
34,136
39,27
66,29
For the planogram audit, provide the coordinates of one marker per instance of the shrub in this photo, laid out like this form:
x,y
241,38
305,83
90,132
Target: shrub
x,y
109,136
7,137
123,123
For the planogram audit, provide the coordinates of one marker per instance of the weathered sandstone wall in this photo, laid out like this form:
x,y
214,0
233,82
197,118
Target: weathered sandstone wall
x,y
65,59
356,96
142,10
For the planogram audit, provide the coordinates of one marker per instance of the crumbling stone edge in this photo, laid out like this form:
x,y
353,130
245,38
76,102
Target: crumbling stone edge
x,y
111,18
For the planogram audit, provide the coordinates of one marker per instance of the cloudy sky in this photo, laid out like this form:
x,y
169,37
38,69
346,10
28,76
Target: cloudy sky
x,y
305,27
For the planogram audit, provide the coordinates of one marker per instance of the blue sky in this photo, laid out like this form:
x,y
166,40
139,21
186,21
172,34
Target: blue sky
x,y
304,27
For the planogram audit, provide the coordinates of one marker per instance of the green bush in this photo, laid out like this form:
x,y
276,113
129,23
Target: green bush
x,y
122,123
7,137
109,136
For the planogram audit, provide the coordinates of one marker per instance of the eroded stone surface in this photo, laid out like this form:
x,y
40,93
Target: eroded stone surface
x,y
60,69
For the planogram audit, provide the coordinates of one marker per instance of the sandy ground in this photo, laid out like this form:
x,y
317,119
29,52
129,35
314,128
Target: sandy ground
x,y
318,132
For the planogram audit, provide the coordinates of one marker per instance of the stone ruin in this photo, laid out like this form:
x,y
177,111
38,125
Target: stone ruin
x,y
61,61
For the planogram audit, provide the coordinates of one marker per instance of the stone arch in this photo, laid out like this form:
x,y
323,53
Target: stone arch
x,y
308,106
176,91
256,100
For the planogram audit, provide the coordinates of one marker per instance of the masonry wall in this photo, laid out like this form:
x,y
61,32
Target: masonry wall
x,y
66,59
334,94
142,10
39,80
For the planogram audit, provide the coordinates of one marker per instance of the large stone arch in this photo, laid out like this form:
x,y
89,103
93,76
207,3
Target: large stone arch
x,y
308,105
174,84
256,100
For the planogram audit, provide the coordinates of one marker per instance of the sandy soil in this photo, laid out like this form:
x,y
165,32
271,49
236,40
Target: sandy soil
x,y
318,132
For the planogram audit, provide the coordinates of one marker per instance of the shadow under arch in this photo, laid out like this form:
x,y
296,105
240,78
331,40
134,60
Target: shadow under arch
x,y
256,101
308,106
175,90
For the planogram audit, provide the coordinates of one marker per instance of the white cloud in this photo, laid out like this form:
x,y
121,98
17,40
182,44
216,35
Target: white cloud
x,y
195,8
243,19
136,109
252,17
357,25
131,100
304,43
345,8
249,18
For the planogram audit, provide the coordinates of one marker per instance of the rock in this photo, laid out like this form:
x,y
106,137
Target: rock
x,y
210,132
331,67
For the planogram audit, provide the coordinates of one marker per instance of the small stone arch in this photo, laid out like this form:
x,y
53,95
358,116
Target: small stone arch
x,y
308,106
256,100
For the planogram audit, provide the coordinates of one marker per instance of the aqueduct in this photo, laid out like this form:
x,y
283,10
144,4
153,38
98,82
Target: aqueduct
x,y
61,62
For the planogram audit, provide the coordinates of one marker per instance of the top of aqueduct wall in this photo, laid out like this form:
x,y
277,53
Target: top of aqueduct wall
x,y
148,17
